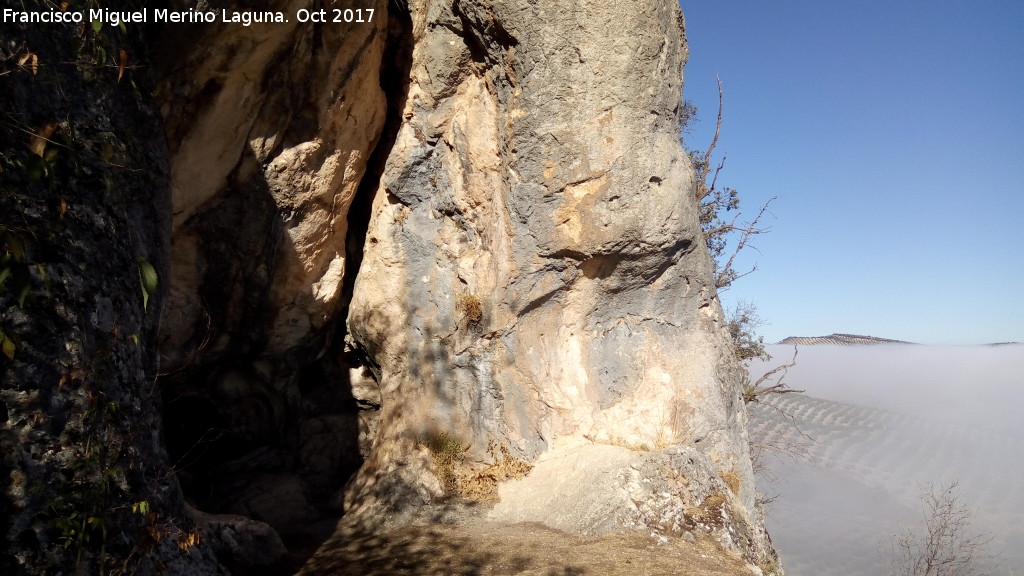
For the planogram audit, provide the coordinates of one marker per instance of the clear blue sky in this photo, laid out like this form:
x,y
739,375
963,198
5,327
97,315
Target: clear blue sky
x,y
892,134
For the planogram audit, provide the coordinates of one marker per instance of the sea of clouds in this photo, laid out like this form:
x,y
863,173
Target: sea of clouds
x,y
885,422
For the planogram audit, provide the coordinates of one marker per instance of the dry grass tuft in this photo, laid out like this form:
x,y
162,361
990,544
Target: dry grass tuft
x,y
482,485
714,502
470,308
462,479
709,512
732,480
448,454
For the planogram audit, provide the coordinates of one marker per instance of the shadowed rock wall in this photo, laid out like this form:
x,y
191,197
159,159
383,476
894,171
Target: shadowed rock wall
x,y
84,215
272,130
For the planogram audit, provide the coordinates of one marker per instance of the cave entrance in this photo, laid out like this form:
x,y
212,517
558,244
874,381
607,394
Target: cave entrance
x,y
276,439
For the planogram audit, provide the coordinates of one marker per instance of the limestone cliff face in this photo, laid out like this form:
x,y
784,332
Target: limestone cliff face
x,y
533,268
534,275
461,228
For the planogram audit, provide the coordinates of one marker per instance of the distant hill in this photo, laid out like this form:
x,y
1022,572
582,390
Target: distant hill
x,y
838,340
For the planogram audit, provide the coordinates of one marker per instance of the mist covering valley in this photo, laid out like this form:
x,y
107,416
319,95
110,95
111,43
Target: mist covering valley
x,y
875,426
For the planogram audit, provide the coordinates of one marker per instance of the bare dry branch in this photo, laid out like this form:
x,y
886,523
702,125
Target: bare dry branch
x,y
726,275
948,546
714,179
772,443
754,392
706,166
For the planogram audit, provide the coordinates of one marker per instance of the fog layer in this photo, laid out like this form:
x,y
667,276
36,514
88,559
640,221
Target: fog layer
x,y
885,421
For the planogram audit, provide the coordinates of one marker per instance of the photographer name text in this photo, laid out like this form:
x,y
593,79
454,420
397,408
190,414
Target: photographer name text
x,y
190,16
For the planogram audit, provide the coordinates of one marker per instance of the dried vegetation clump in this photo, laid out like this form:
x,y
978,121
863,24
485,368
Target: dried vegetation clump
x,y
473,483
470,308
710,512
482,485
448,454
732,480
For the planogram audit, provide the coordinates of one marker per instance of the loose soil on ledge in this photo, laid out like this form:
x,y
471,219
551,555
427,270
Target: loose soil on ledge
x,y
495,549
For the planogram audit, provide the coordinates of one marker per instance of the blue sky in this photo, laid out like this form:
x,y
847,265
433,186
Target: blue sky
x,y
892,134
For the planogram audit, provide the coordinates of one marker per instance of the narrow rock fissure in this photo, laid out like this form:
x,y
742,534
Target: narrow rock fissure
x,y
343,356
394,80
396,65
260,436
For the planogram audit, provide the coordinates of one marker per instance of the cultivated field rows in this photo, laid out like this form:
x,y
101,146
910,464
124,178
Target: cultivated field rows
x,y
848,476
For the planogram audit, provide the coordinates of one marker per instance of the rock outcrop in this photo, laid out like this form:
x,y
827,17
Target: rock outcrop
x,y
84,229
534,275
406,261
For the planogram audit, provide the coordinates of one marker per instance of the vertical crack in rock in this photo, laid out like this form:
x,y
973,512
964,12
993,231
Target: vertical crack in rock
x,y
394,81
278,136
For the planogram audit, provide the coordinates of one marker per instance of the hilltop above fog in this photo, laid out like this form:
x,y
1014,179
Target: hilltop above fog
x,y
854,339
838,339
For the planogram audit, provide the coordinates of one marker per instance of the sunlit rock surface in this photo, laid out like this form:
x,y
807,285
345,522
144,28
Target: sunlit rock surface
x,y
533,270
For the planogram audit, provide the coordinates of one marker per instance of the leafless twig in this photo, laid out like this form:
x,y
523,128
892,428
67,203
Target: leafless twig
x,y
754,392
706,166
948,546
727,275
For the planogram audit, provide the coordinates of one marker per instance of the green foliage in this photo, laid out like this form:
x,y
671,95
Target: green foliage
x,y
742,323
716,229
7,346
141,508
147,279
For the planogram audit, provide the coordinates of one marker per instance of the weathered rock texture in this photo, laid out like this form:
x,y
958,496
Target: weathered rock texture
x,y
534,275
452,242
85,212
271,130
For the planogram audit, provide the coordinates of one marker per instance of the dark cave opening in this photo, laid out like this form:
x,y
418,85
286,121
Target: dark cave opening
x,y
276,438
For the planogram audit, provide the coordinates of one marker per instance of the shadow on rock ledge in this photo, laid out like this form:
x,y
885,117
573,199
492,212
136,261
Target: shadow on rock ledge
x,y
495,548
